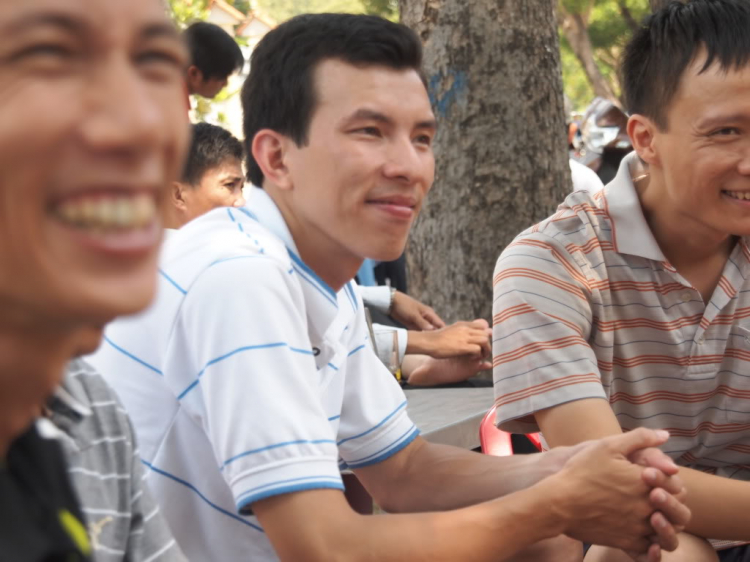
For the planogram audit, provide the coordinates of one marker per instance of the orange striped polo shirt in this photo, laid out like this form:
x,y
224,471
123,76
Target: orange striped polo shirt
x,y
586,305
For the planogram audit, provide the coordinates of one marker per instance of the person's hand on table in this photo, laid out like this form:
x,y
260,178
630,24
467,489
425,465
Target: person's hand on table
x,y
459,339
413,314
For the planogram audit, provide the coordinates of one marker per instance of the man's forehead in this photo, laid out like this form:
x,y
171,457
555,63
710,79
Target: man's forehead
x,y
350,88
104,15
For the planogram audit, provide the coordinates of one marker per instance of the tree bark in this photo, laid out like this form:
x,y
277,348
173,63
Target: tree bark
x,y
577,34
493,70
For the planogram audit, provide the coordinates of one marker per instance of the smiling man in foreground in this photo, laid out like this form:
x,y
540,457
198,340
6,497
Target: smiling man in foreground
x,y
252,382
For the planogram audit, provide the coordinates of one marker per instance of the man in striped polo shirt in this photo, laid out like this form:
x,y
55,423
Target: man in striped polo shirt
x,y
251,381
630,308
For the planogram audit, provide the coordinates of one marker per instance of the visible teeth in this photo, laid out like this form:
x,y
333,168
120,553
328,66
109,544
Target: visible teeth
x,y
739,194
109,212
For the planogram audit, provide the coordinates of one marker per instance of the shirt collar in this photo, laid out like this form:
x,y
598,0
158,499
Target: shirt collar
x,y
630,231
262,208
267,213
69,405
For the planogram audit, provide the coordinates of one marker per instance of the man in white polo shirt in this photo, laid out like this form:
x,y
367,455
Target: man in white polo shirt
x,y
251,380
630,308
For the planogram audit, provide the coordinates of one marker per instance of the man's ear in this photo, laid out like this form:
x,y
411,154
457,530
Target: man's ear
x,y
177,195
193,77
642,133
270,150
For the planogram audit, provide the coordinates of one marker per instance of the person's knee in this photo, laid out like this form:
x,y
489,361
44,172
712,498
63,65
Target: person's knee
x,y
691,549
558,549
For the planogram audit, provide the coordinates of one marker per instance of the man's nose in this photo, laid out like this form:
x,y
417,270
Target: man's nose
x,y
404,161
124,114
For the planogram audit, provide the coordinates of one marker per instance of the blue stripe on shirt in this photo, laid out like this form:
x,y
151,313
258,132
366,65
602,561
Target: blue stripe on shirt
x,y
133,357
236,351
386,452
276,446
172,281
287,487
189,486
385,419
314,276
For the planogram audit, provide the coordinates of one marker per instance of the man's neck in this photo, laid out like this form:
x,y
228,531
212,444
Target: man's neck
x,y
324,256
696,251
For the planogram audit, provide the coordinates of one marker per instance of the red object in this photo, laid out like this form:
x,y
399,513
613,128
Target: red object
x,y
497,442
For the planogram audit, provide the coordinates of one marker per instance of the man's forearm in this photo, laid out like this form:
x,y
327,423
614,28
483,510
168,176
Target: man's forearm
x,y
461,477
719,505
491,532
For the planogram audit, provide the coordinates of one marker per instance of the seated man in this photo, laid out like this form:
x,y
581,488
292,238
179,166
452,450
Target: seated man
x,y
251,382
628,308
214,57
212,176
93,133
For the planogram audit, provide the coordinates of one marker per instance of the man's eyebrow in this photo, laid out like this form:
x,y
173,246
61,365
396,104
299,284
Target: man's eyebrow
x,y
371,115
51,19
161,29
429,124
723,119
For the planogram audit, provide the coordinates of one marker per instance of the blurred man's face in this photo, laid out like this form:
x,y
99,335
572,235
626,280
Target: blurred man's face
x,y
93,133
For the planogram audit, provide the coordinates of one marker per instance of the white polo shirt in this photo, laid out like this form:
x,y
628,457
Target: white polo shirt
x,y
248,377
586,305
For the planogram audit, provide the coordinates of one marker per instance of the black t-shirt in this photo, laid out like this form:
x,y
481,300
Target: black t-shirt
x,y
40,520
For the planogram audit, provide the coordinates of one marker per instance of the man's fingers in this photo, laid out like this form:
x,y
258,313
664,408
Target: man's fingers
x,y
640,438
418,322
665,532
657,479
432,318
675,512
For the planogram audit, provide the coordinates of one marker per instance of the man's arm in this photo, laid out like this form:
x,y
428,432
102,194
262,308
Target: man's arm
x,y
614,510
719,505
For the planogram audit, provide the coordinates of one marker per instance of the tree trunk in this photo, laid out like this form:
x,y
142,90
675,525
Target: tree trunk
x,y
493,69
577,34
627,15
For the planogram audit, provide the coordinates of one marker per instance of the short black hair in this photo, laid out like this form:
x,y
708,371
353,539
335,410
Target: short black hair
x,y
210,147
279,93
212,50
669,41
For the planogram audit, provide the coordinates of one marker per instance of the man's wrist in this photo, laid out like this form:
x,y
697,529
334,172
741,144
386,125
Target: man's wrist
x,y
391,301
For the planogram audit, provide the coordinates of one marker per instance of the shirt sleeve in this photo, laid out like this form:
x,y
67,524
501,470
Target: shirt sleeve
x,y
378,297
240,360
541,326
374,424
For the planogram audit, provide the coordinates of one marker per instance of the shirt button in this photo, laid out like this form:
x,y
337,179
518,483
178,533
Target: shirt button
x,y
701,340
686,297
